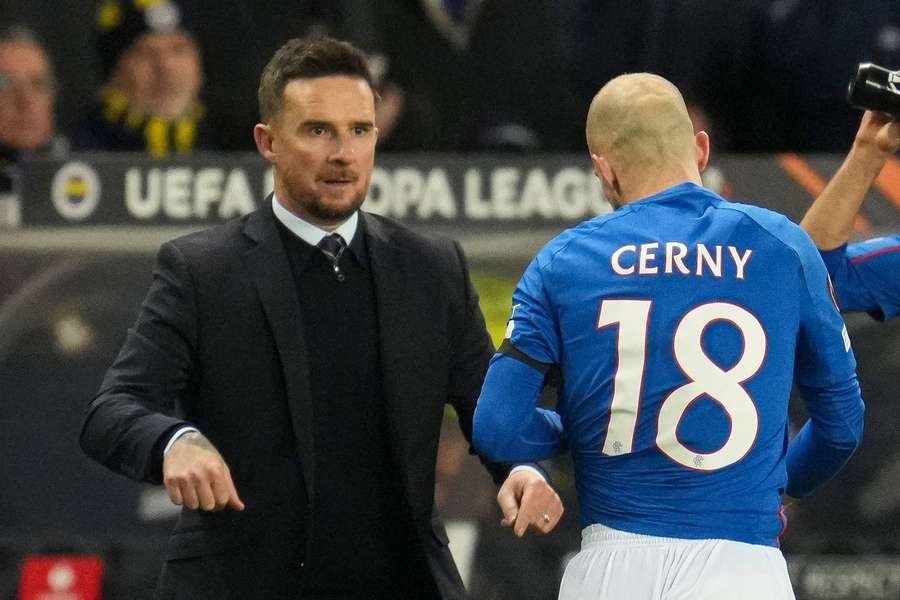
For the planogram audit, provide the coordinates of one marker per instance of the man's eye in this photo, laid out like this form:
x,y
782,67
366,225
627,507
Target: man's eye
x,y
318,131
360,130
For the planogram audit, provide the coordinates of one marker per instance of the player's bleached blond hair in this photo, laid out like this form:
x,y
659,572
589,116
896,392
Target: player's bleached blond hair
x,y
640,120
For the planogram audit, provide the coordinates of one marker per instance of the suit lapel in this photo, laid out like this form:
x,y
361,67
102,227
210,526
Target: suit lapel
x,y
267,264
390,273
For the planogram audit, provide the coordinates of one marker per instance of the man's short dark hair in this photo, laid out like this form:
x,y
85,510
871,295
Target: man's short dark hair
x,y
307,58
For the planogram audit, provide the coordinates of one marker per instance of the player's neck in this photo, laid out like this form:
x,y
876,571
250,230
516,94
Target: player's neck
x,y
645,188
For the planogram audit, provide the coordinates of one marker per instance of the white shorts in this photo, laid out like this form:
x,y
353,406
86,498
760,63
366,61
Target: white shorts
x,y
615,565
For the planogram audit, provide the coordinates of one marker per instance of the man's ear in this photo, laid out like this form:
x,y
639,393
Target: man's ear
x,y
701,140
604,171
262,135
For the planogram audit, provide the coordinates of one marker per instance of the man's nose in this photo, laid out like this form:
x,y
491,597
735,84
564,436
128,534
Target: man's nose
x,y
343,149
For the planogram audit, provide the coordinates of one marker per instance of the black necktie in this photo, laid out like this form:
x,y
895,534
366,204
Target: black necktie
x,y
332,246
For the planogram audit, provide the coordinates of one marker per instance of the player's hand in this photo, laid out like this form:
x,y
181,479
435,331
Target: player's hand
x,y
195,475
879,132
529,502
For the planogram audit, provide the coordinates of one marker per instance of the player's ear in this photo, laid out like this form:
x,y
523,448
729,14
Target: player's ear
x,y
604,170
701,140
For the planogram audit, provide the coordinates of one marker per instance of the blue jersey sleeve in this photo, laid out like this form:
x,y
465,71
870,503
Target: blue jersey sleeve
x,y
508,422
532,327
826,376
866,276
508,426
824,356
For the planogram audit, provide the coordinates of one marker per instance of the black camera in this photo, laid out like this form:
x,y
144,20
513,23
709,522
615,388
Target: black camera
x,y
875,88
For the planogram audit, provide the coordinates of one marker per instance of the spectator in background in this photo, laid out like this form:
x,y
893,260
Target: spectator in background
x,y
464,75
782,77
765,76
153,75
606,38
27,103
232,63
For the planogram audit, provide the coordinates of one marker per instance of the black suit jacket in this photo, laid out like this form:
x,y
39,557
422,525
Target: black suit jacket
x,y
219,344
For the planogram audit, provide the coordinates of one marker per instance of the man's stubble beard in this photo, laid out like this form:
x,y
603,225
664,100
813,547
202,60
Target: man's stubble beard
x,y
320,210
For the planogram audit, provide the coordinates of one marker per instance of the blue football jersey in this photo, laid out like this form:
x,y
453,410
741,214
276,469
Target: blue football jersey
x,y
679,323
866,276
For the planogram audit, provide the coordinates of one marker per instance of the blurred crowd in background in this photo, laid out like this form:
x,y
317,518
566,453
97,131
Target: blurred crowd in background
x,y
172,77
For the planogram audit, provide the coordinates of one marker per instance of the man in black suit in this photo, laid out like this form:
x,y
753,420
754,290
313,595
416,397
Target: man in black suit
x,y
308,350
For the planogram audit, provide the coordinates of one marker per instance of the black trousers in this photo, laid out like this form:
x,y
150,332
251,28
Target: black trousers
x,y
272,571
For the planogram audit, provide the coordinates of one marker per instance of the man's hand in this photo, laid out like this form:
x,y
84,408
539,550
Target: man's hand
x,y
195,475
528,501
829,221
878,132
